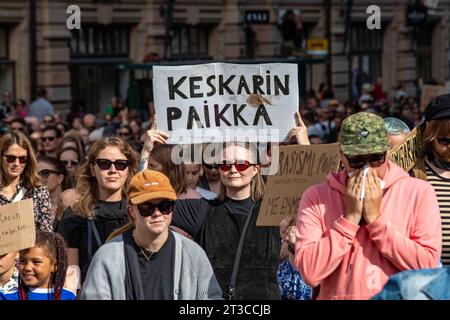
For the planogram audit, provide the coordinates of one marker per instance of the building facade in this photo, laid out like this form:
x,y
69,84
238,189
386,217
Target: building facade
x,y
80,68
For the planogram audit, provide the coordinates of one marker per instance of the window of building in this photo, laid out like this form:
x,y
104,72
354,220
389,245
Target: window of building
x,y
6,65
100,41
189,41
3,43
423,52
366,50
96,51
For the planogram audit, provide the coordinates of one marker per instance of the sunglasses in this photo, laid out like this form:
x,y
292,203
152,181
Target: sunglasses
x,y
211,166
123,134
443,141
239,166
71,162
17,128
51,139
46,172
12,159
375,160
105,164
147,209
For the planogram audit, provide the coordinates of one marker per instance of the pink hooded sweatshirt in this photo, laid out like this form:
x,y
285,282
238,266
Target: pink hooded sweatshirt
x,y
349,261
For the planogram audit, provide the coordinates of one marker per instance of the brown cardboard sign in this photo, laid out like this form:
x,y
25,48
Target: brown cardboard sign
x,y
407,154
17,229
299,168
429,92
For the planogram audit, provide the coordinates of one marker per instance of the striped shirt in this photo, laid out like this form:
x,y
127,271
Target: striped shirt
x,y
441,186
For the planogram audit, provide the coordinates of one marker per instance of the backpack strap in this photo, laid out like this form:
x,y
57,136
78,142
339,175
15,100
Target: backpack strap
x,y
237,258
92,229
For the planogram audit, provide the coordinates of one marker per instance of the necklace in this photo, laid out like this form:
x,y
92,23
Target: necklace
x,y
147,257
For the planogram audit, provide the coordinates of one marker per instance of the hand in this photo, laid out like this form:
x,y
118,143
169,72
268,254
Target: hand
x,y
372,198
287,234
287,231
299,134
154,136
354,204
284,225
124,114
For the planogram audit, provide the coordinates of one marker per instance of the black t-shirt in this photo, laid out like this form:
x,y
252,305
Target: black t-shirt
x,y
108,217
190,214
158,271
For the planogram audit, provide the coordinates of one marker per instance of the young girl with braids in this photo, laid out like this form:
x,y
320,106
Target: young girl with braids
x,y
42,270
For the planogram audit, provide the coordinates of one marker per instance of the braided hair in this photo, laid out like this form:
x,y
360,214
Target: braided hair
x,y
54,246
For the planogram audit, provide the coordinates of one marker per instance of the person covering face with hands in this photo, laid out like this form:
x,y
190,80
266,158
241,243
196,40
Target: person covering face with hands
x,y
367,222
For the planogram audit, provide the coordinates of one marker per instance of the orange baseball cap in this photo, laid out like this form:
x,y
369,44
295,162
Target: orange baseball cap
x,y
149,185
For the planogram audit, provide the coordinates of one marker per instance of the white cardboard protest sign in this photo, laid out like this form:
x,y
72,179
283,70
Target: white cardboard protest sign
x,y
17,229
221,102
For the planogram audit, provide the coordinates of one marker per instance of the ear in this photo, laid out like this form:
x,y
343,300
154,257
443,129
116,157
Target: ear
x,y
256,169
60,178
92,170
131,211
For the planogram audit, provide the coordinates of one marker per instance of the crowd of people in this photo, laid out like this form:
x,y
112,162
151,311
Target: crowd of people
x,y
117,219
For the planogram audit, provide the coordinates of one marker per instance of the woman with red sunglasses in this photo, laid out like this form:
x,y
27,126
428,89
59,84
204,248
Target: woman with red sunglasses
x,y
102,183
245,266
20,178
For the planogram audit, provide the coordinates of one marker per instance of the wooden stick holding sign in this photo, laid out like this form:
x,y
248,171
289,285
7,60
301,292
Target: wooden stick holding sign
x,y
17,230
300,166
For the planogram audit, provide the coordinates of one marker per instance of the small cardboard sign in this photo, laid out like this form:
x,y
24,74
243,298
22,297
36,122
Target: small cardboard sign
x,y
407,154
300,167
429,92
17,230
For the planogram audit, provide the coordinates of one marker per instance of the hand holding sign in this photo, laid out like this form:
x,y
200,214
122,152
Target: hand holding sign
x,y
287,230
151,137
288,236
154,136
299,134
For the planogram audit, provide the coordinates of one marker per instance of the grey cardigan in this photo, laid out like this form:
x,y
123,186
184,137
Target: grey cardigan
x,y
194,277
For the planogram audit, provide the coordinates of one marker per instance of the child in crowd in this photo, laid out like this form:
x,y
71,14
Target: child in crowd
x,y
42,271
9,275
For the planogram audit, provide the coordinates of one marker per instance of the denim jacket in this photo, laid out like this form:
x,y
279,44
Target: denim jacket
x,y
424,284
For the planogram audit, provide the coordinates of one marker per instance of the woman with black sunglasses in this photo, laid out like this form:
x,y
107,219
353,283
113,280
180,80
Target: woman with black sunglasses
x,y
102,183
52,172
20,178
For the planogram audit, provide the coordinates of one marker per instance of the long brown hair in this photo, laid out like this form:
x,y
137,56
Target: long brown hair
x,y
257,185
176,173
87,186
30,176
433,130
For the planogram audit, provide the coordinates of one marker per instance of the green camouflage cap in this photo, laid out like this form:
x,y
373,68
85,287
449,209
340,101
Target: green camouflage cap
x,y
363,133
